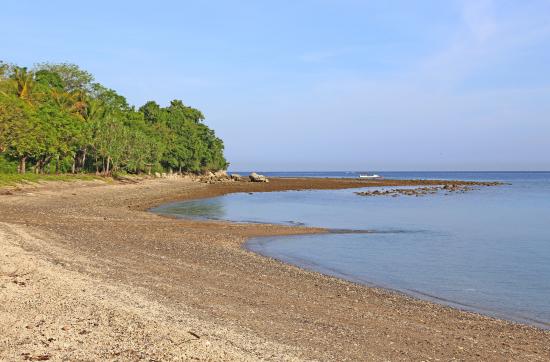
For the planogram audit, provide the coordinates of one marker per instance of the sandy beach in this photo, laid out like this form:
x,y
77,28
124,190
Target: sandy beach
x,y
87,273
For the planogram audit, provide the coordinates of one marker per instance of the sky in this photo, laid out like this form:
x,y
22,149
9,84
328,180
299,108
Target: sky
x,y
304,85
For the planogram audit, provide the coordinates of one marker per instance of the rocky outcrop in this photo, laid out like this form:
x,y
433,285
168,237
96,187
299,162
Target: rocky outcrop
x,y
205,177
447,189
221,174
254,177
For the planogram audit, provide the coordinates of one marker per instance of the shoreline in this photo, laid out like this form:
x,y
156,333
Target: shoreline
x,y
198,273
308,266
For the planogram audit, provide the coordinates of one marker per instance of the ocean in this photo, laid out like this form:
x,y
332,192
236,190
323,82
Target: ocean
x,y
486,251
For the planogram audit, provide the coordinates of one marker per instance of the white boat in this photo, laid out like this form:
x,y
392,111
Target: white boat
x,y
375,176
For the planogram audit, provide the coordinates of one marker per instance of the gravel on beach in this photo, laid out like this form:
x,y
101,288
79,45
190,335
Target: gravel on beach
x,y
87,273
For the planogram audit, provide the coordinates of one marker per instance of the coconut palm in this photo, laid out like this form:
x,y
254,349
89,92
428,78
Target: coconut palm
x,y
24,80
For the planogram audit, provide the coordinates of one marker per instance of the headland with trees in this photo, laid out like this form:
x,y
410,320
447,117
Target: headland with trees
x,y
55,119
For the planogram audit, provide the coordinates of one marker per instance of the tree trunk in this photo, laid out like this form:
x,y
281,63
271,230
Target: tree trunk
x,y
83,159
45,162
79,160
57,165
38,166
22,164
108,165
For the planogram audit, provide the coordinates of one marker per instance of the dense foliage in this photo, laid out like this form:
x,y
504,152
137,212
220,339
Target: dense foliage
x,y
54,118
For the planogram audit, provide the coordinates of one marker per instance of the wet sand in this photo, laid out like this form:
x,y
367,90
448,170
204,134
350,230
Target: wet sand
x,y
86,273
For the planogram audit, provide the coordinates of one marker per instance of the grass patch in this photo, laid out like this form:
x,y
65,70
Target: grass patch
x,y
7,179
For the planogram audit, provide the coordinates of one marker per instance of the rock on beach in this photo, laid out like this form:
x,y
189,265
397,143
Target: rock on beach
x,y
254,177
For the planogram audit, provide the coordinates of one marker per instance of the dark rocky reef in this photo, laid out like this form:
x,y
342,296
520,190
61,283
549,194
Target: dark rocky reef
x,y
447,189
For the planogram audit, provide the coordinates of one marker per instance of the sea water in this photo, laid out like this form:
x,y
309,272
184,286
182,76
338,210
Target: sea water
x,y
487,250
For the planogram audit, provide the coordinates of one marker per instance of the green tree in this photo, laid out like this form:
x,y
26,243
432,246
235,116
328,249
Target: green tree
x,y
19,130
73,78
54,112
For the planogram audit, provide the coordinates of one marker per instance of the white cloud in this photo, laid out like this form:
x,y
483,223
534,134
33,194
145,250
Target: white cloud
x,y
484,38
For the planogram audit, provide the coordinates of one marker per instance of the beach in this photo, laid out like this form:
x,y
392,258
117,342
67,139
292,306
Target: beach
x,y
87,273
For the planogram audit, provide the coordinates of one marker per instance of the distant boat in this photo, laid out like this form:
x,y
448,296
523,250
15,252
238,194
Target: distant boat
x,y
375,176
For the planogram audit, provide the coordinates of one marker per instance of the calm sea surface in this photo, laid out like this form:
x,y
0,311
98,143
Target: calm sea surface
x,y
486,251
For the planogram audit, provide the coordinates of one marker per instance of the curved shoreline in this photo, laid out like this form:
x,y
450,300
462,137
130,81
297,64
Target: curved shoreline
x,y
423,296
242,305
249,243
310,267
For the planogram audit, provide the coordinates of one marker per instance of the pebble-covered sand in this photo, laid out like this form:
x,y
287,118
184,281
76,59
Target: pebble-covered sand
x,y
87,274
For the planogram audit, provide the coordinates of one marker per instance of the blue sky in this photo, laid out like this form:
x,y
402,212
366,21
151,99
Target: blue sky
x,y
321,84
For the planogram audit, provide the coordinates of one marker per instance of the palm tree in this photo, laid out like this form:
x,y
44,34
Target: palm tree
x,y
24,80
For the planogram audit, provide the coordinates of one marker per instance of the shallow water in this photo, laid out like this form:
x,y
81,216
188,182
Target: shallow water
x,y
486,250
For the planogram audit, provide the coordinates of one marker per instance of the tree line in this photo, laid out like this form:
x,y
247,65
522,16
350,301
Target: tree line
x,y
55,118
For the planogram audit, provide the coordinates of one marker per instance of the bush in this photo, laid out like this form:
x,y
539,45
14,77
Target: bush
x,y
7,166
